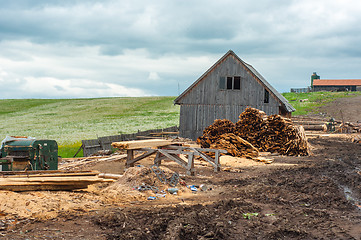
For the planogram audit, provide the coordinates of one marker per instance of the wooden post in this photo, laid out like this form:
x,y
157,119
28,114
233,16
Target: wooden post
x,y
158,159
190,167
130,157
216,159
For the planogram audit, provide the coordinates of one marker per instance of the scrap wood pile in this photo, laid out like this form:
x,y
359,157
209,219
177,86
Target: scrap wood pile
x,y
356,139
256,132
214,132
49,180
250,123
347,127
282,136
235,145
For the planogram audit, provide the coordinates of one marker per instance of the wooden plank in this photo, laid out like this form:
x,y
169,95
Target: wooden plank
x,y
9,173
150,143
36,187
50,179
92,173
110,175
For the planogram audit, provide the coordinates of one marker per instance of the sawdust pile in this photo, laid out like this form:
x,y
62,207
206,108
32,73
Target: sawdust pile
x,y
144,179
45,204
255,131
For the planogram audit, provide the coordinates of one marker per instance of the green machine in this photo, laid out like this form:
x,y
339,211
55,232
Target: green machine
x,y
29,154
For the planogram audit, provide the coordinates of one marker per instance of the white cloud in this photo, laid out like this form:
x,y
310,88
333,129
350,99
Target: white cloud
x,y
153,76
51,87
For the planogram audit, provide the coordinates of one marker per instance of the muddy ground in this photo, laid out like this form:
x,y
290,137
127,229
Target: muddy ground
x,y
315,197
312,197
347,109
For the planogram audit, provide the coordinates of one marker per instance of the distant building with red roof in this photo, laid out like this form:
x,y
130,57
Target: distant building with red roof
x,y
318,84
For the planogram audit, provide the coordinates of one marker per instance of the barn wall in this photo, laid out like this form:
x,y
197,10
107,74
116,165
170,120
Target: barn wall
x,y
205,102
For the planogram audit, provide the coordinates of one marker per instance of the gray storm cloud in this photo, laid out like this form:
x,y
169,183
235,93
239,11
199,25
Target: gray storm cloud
x,y
138,48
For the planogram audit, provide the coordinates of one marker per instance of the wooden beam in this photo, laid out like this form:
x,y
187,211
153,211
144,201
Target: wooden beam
x,y
130,162
174,158
136,144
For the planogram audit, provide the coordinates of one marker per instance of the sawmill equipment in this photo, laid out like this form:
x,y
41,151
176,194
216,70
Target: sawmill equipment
x,y
22,154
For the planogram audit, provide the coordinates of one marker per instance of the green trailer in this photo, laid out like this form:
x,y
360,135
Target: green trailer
x,y
29,154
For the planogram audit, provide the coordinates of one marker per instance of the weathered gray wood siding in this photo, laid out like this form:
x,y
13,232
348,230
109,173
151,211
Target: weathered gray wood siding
x,y
206,102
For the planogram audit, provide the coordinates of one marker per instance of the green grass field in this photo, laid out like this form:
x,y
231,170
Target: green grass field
x,y
68,121
315,100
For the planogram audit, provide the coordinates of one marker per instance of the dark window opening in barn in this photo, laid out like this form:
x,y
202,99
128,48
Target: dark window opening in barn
x,y
266,96
237,83
229,82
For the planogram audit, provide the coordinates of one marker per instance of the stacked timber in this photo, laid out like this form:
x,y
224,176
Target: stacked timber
x,y
250,124
49,180
235,146
269,134
214,132
282,136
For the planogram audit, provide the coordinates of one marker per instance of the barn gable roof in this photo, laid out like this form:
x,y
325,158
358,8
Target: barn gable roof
x,y
261,79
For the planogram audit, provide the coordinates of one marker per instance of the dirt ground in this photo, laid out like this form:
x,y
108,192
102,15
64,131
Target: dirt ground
x,y
311,197
347,108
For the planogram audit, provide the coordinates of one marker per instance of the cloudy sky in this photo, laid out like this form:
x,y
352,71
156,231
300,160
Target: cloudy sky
x,y
89,48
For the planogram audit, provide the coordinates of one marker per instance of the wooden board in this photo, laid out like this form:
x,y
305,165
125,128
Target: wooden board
x,y
52,180
137,144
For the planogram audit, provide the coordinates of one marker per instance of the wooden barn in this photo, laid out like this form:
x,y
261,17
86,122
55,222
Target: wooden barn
x,y
224,92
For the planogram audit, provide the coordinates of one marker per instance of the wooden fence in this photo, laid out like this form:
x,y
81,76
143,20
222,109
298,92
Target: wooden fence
x,y
104,143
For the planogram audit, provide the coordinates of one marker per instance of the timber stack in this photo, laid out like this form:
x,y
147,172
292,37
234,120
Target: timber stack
x,y
50,180
282,136
250,124
235,145
255,131
214,132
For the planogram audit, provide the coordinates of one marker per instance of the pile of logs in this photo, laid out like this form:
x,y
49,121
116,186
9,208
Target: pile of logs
x,y
282,136
249,125
213,132
347,127
256,132
235,145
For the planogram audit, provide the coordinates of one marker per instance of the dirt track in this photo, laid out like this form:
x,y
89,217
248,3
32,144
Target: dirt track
x,y
347,108
313,197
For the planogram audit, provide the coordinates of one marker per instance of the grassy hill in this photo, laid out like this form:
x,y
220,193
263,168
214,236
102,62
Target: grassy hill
x,y
68,121
314,100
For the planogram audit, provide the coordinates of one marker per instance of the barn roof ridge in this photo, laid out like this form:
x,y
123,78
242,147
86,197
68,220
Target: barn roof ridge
x,y
282,99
